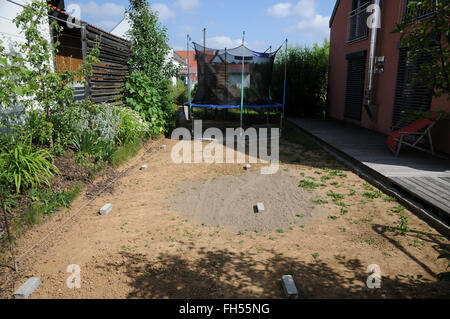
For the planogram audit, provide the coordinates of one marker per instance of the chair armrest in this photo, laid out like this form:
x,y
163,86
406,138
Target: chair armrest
x,y
411,133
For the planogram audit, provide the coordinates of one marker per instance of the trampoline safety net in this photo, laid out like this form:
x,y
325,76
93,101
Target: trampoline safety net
x,y
220,77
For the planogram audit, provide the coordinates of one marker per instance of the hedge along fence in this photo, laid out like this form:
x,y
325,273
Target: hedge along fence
x,y
106,84
307,80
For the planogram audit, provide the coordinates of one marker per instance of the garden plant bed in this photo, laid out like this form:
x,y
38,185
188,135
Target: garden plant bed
x,y
157,244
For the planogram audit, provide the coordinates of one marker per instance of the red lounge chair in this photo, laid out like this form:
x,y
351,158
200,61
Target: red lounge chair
x,y
398,138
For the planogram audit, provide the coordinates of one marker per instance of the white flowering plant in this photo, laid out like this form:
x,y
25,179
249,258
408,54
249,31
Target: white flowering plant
x,y
132,126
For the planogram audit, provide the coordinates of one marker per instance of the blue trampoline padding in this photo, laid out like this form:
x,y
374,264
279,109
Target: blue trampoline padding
x,y
236,106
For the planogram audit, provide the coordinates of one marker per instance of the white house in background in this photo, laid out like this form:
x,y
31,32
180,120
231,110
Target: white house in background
x,y
121,29
9,33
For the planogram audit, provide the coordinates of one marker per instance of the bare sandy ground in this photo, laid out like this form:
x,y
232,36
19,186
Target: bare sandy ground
x,y
189,231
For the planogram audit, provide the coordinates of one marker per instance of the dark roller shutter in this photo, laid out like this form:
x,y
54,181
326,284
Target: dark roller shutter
x,y
408,96
355,85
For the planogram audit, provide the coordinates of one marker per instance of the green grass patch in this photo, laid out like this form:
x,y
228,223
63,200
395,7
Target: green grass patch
x,y
320,202
125,152
373,195
335,196
43,202
308,184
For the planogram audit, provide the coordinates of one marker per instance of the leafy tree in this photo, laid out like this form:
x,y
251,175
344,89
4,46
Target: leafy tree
x,y
150,71
30,71
429,37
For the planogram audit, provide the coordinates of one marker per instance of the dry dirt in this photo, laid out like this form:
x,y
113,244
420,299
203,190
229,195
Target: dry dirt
x,y
189,231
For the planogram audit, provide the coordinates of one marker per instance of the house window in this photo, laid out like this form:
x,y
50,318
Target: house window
x,y
422,13
358,28
354,93
408,95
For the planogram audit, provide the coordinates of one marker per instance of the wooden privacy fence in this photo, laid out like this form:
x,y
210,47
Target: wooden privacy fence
x,y
107,82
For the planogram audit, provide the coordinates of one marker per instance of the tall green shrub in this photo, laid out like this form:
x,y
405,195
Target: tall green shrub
x,y
307,79
29,77
147,86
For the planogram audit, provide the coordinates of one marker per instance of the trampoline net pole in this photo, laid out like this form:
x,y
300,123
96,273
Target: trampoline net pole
x,y
284,89
242,84
189,84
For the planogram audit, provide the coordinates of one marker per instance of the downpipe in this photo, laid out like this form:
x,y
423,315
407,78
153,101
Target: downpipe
x,y
374,25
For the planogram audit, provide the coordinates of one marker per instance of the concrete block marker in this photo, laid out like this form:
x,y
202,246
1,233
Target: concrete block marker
x,y
260,208
105,210
289,287
163,147
27,288
144,167
247,167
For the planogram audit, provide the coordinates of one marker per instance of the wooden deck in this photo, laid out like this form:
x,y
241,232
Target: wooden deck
x,y
418,174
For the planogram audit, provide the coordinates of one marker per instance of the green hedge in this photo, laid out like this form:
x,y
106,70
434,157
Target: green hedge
x,y
307,80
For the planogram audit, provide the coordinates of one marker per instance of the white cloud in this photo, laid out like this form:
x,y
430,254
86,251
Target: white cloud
x,y
305,9
188,4
164,12
280,9
316,27
105,11
221,42
310,23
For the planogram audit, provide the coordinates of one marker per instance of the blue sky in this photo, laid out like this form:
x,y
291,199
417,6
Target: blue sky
x,y
266,22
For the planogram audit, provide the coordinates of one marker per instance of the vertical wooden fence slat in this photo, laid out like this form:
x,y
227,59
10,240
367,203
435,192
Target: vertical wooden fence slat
x,y
84,48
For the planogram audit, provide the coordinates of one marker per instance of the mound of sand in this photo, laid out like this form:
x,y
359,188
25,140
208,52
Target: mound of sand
x,y
230,201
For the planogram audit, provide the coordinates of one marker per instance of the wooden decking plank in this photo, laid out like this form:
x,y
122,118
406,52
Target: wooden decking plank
x,y
411,188
429,191
441,185
432,184
426,194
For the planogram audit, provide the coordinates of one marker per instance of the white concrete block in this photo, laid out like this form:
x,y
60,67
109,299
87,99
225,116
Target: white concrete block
x,y
163,147
105,210
260,207
144,167
247,167
27,288
289,287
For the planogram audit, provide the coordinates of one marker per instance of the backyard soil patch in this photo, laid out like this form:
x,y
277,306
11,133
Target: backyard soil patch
x,y
150,246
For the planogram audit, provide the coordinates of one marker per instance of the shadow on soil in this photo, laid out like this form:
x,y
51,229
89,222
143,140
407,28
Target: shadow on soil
x,y
225,274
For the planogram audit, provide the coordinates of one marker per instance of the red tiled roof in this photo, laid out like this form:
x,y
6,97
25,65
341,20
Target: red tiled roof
x,y
193,61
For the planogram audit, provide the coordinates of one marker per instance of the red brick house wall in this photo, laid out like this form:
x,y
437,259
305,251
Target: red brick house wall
x,y
385,83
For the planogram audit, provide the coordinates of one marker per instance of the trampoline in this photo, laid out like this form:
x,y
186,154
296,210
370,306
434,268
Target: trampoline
x,y
237,78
